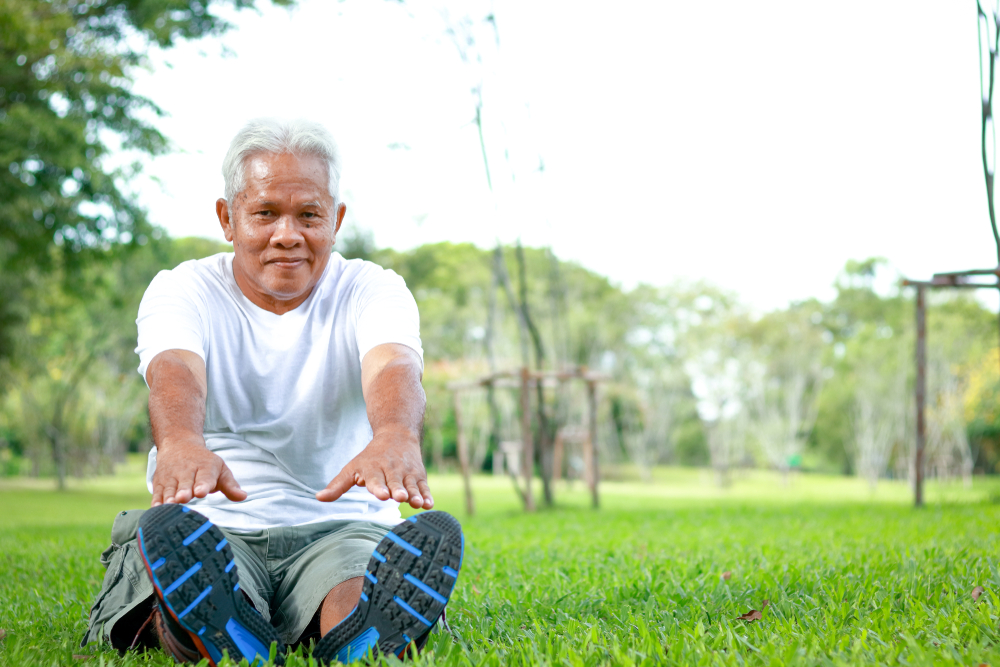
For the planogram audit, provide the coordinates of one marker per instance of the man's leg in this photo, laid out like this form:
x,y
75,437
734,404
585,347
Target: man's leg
x,y
318,563
339,602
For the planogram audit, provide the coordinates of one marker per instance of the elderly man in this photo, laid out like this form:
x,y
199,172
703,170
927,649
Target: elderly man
x,y
286,411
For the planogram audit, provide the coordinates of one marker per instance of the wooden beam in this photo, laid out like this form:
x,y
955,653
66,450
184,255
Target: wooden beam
x,y
921,388
463,455
592,453
512,379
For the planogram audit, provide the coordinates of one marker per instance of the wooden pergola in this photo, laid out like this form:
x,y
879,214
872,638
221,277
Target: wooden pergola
x,y
524,381
974,279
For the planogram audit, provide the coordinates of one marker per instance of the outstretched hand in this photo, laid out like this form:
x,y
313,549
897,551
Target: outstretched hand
x,y
389,467
185,471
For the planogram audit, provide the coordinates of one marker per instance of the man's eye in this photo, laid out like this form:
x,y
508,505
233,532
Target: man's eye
x,y
264,213
308,214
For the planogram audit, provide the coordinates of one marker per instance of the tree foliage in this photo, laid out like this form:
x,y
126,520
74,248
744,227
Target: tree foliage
x,y
695,376
67,104
75,404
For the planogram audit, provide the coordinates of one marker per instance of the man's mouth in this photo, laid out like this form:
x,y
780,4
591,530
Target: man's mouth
x,y
287,262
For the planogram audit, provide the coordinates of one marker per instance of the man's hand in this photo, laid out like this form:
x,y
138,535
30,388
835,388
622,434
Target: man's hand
x,y
391,465
185,468
189,470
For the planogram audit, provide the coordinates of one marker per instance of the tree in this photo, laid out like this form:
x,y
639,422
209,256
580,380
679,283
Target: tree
x,y
982,412
75,400
785,378
880,410
871,340
66,104
716,350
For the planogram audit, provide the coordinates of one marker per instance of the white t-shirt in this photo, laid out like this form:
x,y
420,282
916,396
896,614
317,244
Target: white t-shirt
x,y
285,409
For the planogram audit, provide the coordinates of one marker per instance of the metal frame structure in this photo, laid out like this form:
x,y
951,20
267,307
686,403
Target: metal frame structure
x,y
989,49
974,279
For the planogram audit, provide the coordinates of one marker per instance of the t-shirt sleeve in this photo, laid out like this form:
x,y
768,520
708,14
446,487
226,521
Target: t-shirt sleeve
x,y
386,312
170,319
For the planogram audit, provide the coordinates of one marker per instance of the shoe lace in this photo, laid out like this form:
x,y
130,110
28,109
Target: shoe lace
x,y
444,623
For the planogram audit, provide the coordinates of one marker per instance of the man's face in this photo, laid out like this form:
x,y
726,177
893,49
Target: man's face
x,y
282,227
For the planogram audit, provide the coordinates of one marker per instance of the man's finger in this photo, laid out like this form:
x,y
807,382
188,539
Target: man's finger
x,y
206,480
413,493
169,489
425,491
340,485
228,485
184,493
375,481
157,495
397,491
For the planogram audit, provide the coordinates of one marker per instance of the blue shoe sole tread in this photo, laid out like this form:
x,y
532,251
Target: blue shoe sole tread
x,y
397,606
202,583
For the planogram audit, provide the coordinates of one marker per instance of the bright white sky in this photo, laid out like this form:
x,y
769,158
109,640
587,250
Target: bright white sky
x,y
756,145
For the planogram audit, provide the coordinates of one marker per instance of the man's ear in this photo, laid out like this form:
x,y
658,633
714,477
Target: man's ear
x,y
222,210
341,210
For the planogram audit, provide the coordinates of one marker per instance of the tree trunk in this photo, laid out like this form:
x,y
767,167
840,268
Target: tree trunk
x,y
58,453
527,453
544,441
491,357
437,453
500,267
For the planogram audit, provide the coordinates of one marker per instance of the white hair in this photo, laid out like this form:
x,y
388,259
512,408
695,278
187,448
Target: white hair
x,y
274,135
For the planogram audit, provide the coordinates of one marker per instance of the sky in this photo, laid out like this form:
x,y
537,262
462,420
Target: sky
x,y
758,146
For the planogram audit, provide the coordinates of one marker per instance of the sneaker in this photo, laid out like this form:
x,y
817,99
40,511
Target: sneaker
x,y
194,575
174,639
410,577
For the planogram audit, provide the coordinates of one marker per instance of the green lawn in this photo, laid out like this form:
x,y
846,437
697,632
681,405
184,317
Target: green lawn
x,y
852,577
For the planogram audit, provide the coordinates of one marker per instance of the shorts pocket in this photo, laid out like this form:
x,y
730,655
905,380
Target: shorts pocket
x,y
125,584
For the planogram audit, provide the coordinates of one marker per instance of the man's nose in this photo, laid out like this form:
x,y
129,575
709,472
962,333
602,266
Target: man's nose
x,y
286,232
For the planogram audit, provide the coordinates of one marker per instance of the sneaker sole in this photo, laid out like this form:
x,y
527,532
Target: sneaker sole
x,y
410,577
192,569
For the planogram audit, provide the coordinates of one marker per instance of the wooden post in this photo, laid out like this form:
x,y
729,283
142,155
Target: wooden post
x,y
921,393
592,437
557,456
587,452
528,451
463,454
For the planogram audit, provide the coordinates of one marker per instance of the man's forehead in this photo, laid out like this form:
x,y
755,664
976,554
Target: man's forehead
x,y
268,199
269,166
271,176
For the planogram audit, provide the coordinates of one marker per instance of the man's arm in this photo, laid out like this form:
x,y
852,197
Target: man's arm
x,y
391,466
185,468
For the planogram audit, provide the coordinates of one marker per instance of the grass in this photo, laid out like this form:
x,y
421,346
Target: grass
x,y
852,577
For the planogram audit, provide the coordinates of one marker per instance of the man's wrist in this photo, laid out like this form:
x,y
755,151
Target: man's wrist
x,y
397,432
180,442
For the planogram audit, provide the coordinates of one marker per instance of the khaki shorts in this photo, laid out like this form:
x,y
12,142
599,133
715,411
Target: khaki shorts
x,y
285,572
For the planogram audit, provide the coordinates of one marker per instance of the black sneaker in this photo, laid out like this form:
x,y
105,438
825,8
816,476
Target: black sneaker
x,y
194,575
410,577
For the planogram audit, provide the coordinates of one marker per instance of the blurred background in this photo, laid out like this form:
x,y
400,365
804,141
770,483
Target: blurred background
x,y
710,206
